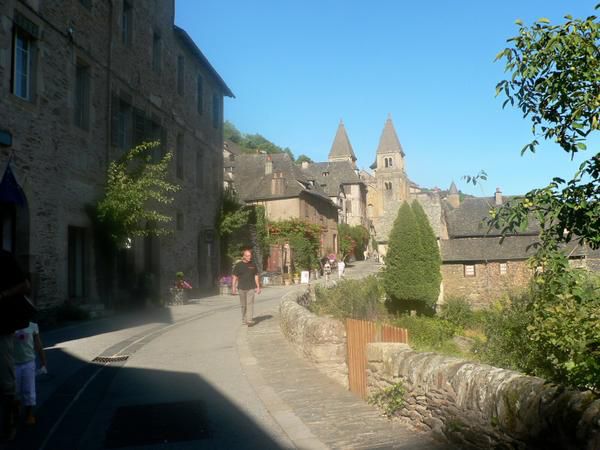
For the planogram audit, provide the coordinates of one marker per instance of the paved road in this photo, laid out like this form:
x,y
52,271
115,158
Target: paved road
x,y
182,365
192,377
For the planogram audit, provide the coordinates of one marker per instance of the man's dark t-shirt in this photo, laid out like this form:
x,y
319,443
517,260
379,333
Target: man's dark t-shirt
x,y
246,273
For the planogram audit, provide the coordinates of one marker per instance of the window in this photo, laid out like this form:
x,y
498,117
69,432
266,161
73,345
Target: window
x,y
180,78
126,22
216,111
179,156
22,85
325,173
200,94
82,96
156,52
124,125
388,185
469,270
179,221
503,268
76,262
86,3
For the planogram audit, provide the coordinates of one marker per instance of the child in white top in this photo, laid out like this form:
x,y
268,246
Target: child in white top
x,y
27,344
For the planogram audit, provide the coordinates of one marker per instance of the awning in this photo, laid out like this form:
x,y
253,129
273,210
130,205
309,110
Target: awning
x,y
10,191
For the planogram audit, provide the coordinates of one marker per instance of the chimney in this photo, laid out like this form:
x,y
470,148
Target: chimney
x,y
305,164
268,165
498,196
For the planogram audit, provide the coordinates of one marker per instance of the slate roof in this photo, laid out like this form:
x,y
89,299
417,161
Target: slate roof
x,y
253,184
191,45
232,147
341,147
389,142
490,249
468,220
339,172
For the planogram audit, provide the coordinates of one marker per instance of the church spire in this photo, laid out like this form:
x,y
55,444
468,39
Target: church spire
x,y
388,142
341,149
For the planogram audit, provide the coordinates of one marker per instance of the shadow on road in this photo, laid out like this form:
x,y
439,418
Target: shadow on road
x,y
115,406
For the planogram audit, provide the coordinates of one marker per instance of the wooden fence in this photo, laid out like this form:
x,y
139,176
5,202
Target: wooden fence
x,y
359,333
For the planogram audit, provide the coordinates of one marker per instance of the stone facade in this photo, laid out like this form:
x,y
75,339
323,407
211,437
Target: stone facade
x,y
319,339
102,78
490,282
481,407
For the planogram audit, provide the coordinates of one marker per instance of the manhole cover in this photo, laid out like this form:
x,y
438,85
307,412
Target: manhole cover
x,y
156,424
110,359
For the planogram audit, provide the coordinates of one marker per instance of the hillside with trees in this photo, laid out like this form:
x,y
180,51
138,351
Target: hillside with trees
x,y
252,143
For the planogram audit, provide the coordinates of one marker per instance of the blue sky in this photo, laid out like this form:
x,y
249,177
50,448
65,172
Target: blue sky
x,y
298,67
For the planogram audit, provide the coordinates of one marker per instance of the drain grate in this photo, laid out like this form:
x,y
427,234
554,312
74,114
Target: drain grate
x,y
110,359
159,423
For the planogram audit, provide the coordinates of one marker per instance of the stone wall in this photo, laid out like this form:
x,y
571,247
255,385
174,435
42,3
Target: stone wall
x,y
477,406
320,340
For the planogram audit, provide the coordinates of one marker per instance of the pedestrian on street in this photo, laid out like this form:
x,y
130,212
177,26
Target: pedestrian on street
x,y
341,268
27,344
13,283
245,280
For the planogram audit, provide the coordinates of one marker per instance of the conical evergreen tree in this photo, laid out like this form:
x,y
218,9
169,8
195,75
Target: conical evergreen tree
x,y
429,258
401,277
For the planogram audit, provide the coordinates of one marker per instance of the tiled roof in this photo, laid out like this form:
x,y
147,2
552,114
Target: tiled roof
x,y
341,147
252,183
330,175
468,220
389,142
490,249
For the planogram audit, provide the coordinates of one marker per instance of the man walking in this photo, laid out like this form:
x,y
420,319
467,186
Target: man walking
x,y
245,279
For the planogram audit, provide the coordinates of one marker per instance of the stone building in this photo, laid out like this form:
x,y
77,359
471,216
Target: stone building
x,y
81,82
389,185
276,183
340,180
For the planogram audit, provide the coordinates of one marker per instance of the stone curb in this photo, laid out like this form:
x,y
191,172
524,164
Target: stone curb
x,y
299,435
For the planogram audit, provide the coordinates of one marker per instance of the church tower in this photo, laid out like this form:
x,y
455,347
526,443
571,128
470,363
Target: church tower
x,y
392,182
341,149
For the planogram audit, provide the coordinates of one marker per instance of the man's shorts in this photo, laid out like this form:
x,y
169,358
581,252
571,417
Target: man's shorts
x,y
7,365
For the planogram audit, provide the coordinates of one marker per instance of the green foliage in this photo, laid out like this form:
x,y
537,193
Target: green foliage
x,y
252,143
233,214
412,266
458,312
303,158
556,83
429,333
353,240
508,344
552,331
355,299
135,187
430,259
304,238
390,399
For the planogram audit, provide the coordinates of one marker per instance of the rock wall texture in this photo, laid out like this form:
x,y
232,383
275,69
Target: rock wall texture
x,y
477,406
321,340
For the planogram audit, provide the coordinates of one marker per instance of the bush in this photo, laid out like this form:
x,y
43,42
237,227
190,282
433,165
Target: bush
x,y
429,333
508,344
355,299
390,399
458,312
